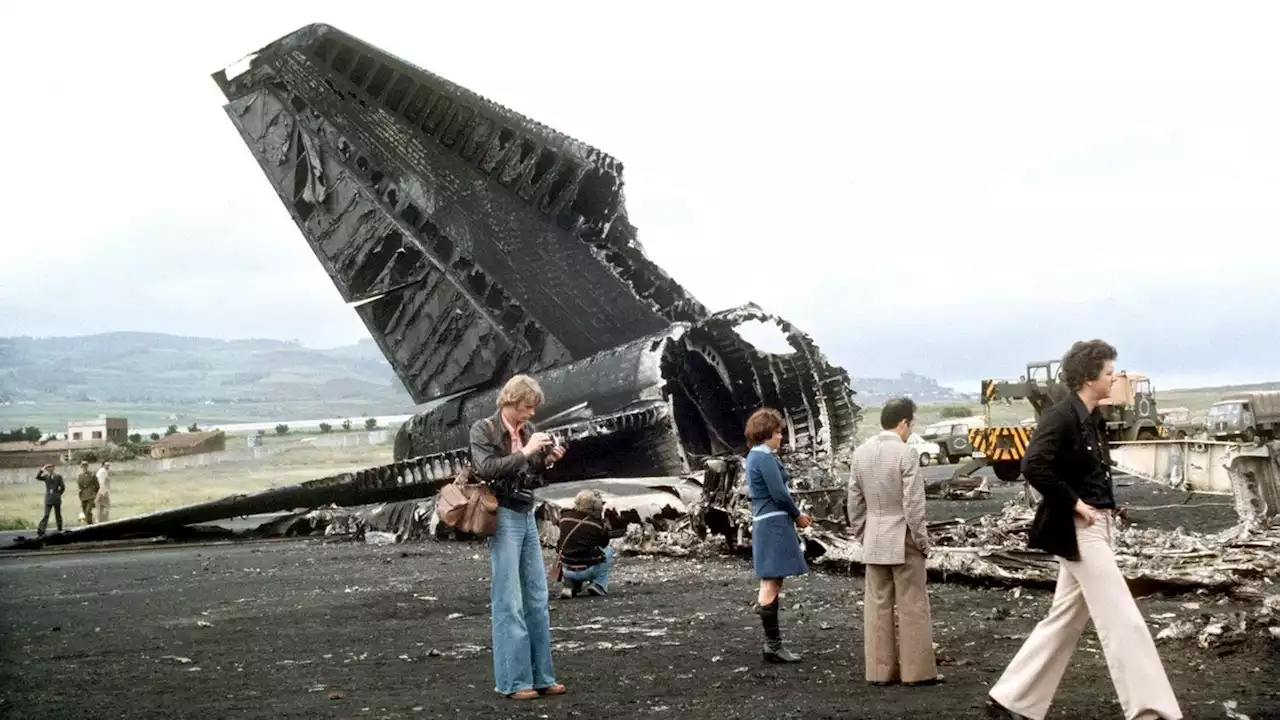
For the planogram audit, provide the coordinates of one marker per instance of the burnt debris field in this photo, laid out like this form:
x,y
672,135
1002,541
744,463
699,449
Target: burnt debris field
x,y
334,628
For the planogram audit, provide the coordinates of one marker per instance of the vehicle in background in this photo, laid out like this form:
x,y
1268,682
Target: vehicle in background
x,y
1180,424
1245,416
927,452
952,437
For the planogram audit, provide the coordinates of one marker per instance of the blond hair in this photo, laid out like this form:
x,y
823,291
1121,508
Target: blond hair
x,y
588,501
519,390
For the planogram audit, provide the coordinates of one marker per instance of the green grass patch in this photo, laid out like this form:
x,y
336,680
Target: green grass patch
x,y
8,522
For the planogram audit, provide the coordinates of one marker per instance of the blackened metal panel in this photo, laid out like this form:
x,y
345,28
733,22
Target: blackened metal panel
x,y
609,382
405,183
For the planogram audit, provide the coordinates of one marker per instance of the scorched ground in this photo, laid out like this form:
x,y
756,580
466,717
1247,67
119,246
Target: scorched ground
x,y
311,628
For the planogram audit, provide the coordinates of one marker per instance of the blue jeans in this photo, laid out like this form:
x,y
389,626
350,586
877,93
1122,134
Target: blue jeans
x,y
518,600
598,573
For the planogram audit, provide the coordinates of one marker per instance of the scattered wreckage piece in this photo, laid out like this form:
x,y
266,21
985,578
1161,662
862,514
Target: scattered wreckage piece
x,y
958,488
1255,485
1205,467
992,549
414,478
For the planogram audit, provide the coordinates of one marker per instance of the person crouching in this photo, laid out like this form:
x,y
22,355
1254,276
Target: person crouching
x,y
585,555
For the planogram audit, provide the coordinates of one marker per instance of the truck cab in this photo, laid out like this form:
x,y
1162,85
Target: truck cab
x,y
1131,412
1246,416
1231,419
952,437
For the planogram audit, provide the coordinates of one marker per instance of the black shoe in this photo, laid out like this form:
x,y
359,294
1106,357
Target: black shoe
x,y
594,589
931,681
996,711
780,655
882,683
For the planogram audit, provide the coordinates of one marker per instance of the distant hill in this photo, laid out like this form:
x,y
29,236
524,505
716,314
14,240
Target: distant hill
x,y
132,369
924,390
160,369
1223,389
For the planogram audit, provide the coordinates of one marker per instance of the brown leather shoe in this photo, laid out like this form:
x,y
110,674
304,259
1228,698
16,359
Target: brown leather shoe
x,y
527,694
557,689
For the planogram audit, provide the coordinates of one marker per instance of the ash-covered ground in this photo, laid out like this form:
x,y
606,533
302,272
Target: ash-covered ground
x,y
308,628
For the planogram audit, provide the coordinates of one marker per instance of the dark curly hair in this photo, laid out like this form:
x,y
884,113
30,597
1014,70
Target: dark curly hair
x,y
1084,361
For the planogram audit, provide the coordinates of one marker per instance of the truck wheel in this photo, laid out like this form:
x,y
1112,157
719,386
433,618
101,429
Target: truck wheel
x,y
1146,434
925,459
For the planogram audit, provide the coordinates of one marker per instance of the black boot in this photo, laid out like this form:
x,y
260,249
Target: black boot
x,y
774,652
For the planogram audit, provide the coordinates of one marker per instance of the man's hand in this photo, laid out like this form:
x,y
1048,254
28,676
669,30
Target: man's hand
x,y
804,521
556,453
1086,512
537,442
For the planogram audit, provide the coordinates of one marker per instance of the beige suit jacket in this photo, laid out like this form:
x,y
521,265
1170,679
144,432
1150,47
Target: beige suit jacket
x,y
886,499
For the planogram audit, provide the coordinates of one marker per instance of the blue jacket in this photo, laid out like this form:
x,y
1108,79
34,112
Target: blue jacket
x,y
767,484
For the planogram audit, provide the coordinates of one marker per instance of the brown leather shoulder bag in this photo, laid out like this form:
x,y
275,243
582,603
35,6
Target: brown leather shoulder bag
x,y
468,505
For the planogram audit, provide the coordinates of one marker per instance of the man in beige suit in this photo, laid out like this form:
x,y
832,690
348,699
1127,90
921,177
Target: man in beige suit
x,y
886,511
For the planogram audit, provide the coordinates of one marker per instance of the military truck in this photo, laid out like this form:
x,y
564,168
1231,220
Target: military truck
x,y
952,437
1180,424
1245,416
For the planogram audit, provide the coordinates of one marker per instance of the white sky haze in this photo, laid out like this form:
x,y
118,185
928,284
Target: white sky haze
x,y
949,188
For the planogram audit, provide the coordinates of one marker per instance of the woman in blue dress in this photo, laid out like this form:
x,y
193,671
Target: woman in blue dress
x,y
775,546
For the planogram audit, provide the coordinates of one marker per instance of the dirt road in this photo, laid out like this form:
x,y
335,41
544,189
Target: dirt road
x,y
316,630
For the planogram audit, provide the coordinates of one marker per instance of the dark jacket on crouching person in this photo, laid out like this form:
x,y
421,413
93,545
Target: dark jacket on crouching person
x,y
583,539
511,475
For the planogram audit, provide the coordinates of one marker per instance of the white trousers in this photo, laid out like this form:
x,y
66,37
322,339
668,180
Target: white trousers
x,y
1092,587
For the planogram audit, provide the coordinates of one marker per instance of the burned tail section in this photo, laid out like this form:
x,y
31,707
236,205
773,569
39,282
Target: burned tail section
x,y
478,243
475,242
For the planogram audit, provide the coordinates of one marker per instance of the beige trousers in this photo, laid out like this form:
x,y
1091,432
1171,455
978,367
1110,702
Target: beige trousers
x,y
906,655
1092,587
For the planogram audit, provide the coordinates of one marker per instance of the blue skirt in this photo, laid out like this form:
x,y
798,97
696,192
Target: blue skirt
x,y
775,548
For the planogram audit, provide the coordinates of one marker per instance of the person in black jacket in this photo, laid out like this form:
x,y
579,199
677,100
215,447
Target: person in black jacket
x,y
1069,463
585,555
54,486
511,457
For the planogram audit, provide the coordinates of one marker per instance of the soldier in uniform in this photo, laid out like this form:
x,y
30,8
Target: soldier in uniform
x,y
53,489
88,491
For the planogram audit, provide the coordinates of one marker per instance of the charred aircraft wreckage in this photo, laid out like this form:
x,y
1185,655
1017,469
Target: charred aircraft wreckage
x,y
475,243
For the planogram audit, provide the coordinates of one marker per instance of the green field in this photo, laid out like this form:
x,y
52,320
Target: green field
x,y
134,493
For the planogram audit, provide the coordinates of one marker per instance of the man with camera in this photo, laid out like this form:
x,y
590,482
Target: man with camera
x,y
511,457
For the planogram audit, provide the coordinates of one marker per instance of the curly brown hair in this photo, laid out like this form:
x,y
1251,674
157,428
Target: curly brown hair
x,y
1085,360
762,424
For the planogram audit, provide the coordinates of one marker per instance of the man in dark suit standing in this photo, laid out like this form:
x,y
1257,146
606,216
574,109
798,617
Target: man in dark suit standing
x,y
54,486
1069,464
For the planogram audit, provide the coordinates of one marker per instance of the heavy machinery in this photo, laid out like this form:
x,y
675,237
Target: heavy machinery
x,y
1130,414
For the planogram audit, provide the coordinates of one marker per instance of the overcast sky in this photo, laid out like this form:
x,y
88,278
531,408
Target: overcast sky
x,y
950,188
